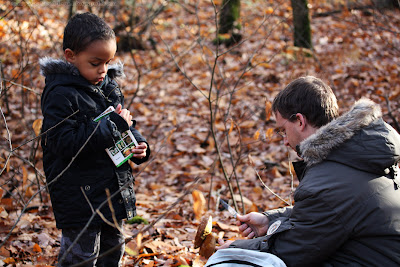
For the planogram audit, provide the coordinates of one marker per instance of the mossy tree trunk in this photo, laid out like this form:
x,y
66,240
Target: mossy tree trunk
x,y
127,39
386,3
301,23
71,8
228,23
230,13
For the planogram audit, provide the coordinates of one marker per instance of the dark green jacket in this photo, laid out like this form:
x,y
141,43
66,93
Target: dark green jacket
x,y
347,204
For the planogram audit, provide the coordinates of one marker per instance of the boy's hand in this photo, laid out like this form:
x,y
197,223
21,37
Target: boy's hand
x,y
139,152
124,113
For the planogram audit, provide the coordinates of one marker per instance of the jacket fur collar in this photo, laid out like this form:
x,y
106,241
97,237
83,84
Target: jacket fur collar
x,y
318,146
50,66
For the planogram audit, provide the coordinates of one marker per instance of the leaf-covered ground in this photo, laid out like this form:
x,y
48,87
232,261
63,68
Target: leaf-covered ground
x,y
174,89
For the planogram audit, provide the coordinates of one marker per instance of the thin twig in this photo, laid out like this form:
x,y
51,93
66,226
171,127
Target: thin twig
x,y
22,86
291,177
189,189
54,180
390,114
269,189
102,204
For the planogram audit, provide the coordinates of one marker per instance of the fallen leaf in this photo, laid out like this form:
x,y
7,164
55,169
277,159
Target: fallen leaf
x,y
37,248
250,160
4,252
37,126
24,177
3,213
132,249
199,203
7,203
29,192
268,110
9,260
269,133
256,135
227,227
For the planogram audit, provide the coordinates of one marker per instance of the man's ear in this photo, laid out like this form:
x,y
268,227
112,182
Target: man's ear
x,y
301,120
69,55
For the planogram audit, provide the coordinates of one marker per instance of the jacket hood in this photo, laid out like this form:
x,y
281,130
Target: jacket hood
x,y
359,138
61,72
50,66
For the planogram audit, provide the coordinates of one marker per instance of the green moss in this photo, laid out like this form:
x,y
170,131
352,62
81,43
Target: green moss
x,y
138,220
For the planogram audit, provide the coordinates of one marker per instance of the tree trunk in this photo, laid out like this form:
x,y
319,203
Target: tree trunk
x,y
386,3
230,13
71,8
301,23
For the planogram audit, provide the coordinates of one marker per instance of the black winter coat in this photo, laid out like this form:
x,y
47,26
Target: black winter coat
x,y
347,204
77,167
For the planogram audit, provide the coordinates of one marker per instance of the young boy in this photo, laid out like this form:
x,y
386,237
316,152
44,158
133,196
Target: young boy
x,y
78,169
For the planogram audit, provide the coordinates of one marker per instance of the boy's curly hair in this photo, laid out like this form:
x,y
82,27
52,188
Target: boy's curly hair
x,y
83,29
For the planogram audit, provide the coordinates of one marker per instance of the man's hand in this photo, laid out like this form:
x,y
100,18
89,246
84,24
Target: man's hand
x,y
250,225
223,244
253,224
124,113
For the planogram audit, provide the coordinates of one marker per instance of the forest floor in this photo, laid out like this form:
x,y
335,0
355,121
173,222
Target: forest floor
x,y
172,88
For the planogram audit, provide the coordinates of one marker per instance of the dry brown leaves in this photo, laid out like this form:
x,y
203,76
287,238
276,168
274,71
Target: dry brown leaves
x,y
169,94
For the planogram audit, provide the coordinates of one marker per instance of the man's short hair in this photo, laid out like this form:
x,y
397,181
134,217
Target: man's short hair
x,y
83,29
309,96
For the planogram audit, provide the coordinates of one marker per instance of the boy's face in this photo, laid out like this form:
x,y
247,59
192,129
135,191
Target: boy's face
x,y
92,63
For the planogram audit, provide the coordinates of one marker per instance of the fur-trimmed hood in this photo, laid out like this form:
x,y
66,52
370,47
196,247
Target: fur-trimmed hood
x,y
50,65
60,72
358,138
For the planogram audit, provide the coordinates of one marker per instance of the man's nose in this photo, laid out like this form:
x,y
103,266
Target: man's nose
x,y
286,142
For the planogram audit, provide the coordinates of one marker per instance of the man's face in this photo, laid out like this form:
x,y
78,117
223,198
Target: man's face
x,y
92,63
289,130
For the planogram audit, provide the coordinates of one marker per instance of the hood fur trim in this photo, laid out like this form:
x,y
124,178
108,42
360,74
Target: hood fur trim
x,y
116,70
50,65
317,147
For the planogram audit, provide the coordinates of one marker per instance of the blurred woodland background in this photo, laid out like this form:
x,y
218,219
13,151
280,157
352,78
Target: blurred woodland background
x,y
200,78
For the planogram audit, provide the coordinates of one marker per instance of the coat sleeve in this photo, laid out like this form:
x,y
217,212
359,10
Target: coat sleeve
x,y
316,232
281,214
276,213
67,130
312,232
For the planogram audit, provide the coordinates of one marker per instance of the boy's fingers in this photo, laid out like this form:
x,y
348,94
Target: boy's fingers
x,y
119,108
144,145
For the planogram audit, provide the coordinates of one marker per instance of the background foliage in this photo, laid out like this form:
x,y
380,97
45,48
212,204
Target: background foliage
x,y
204,109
